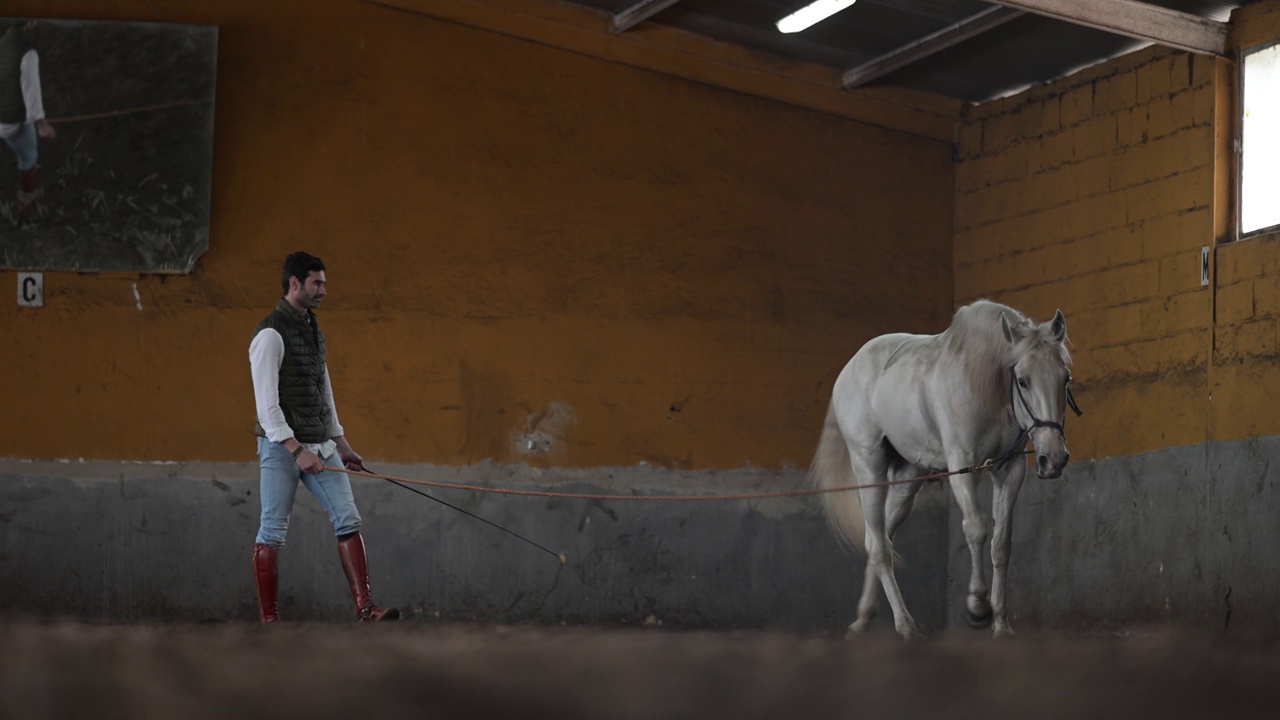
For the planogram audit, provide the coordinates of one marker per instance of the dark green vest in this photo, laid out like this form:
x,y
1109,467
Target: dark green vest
x,y
301,373
13,45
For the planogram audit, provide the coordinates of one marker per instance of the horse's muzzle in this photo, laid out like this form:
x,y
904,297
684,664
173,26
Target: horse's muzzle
x,y
1046,469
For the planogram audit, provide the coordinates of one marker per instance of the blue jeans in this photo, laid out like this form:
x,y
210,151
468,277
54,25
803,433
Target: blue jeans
x,y
23,144
279,485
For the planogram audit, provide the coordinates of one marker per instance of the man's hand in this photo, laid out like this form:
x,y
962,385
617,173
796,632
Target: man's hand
x,y
310,463
351,459
45,130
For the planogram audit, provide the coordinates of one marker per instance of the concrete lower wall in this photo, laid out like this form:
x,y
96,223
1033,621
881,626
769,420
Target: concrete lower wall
x,y
1184,535
129,542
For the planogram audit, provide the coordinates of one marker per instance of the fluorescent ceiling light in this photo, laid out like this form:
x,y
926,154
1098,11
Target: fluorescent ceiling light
x,y
814,12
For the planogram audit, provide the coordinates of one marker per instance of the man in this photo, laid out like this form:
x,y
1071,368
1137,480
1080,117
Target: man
x,y
299,434
22,110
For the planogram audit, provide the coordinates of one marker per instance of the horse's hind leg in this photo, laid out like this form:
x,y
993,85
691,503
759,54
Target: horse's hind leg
x,y
899,499
873,466
902,495
866,603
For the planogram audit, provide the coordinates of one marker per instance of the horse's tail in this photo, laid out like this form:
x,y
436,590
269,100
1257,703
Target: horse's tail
x,y
831,468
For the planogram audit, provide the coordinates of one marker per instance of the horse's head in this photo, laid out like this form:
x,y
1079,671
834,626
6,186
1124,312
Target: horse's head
x,y
1039,388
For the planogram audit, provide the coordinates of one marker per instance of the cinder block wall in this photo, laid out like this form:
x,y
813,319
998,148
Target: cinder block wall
x,y
1246,342
1095,194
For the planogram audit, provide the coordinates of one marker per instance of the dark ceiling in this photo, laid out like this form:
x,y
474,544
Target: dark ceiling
x,y
1022,50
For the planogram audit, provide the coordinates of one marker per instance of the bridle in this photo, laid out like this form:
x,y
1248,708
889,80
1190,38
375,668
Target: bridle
x,y
1015,390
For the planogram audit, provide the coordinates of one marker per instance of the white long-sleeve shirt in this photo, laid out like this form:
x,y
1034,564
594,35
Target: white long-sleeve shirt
x,y
266,354
31,95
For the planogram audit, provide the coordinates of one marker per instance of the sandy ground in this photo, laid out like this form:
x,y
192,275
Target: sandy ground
x,y
421,670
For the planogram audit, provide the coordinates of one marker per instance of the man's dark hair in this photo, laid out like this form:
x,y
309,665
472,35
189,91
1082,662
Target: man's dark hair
x,y
299,265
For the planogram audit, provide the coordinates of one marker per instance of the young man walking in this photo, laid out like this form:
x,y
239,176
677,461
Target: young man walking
x,y
299,434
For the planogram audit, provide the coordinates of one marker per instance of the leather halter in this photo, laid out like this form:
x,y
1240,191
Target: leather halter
x,y
1025,432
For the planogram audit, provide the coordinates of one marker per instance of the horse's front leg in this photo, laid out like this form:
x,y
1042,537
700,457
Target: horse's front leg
x,y
1004,486
963,487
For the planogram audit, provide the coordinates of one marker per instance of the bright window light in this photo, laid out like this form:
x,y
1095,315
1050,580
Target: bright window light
x,y
1260,141
812,13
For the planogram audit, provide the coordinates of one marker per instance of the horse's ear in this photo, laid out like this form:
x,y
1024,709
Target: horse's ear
x,y
1009,333
1058,327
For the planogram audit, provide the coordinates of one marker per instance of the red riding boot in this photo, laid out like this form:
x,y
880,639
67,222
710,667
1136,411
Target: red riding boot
x,y
356,565
28,190
266,579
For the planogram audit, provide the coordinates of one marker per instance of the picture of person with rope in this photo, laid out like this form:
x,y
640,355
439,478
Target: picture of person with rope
x,y
300,438
22,118
124,183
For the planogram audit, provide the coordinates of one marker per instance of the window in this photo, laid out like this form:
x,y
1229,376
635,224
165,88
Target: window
x,y
1260,140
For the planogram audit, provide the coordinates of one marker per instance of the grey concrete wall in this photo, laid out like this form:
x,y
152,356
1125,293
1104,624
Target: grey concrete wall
x,y
1184,535
1189,536
128,542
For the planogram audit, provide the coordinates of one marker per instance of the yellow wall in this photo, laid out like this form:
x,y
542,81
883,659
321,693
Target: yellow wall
x,y
1246,343
519,237
1095,194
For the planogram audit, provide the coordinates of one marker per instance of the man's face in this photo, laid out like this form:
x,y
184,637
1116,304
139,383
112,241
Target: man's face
x,y
312,291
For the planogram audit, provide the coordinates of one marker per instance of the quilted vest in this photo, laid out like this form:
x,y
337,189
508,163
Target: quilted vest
x,y
13,45
301,373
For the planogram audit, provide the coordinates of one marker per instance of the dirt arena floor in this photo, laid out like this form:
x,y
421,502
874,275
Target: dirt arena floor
x,y
422,670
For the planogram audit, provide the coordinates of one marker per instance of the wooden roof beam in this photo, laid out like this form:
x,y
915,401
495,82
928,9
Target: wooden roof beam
x,y
1134,19
637,14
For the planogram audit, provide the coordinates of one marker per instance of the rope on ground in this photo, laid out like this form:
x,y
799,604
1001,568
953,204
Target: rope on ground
x,y
127,111
660,498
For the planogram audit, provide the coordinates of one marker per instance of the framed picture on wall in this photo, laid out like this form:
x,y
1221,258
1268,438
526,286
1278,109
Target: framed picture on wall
x,y
107,153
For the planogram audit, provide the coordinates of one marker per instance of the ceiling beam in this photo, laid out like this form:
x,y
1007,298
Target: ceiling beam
x,y
1140,20
928,45
637,14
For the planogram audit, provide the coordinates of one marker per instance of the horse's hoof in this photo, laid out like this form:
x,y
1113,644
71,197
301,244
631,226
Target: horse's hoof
x,y
975,621
911,635
1004,632
909,630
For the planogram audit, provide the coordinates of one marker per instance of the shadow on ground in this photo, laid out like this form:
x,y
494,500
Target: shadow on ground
x,y
66,669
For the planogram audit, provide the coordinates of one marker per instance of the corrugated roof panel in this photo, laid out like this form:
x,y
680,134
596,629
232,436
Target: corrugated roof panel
x,y
1025,51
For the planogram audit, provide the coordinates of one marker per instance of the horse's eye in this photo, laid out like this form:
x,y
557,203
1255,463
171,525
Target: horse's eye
x,y
1022,383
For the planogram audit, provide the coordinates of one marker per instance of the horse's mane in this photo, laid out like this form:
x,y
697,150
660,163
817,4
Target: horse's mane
x,y
975,343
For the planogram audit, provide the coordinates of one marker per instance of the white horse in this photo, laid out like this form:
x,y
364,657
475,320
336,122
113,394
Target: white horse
x,y
909,405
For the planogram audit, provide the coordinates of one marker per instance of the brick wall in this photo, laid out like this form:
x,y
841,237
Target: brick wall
x,y
1095,194
1245,375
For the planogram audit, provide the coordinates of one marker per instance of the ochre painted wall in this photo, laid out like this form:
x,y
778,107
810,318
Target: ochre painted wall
x,y
519,238
1247,340
1095,195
